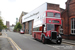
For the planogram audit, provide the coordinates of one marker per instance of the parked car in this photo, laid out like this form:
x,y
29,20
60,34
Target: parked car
x,y
21,31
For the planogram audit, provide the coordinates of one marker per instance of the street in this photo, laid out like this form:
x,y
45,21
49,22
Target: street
x,y
27,42
37,25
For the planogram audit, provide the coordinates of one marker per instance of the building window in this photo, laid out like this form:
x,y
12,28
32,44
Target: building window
x,y
61,27
73,26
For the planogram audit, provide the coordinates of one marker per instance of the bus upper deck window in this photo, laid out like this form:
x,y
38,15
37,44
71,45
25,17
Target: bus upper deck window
x,y
50,14
57,15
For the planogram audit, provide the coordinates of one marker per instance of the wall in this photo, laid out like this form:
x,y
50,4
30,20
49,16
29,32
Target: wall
x,y
53,7
66,16
26,27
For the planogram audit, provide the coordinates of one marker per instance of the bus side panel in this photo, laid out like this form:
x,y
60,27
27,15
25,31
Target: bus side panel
x,y
33,34
37,34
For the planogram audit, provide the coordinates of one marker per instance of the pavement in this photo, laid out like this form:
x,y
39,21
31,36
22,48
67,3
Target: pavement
x,y
72,42
5,44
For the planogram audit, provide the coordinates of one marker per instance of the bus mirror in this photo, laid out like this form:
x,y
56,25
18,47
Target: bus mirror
x,y
43,25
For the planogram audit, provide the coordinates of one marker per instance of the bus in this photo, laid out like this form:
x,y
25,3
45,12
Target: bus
x,y
46,27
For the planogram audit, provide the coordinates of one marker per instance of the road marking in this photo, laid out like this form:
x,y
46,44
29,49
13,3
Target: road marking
x,y
28,35
31,39
5,34
16,46
52,46
12,46
23,36
3,37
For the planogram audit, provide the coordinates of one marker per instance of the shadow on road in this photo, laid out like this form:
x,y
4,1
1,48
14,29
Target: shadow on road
x,y
48,42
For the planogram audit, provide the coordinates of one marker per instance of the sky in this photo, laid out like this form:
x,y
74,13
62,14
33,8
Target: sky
x,y
12,9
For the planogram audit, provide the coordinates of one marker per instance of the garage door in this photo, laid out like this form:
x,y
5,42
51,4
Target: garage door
x,y
30,27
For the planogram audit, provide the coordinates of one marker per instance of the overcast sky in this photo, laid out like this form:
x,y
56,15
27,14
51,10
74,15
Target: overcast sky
x,y
12,9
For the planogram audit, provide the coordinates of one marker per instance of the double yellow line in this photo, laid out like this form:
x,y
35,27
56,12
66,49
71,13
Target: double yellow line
x,y
5,34
16,46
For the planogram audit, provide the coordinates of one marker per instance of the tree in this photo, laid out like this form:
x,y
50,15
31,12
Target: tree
x,y
18,26
1,24
4,26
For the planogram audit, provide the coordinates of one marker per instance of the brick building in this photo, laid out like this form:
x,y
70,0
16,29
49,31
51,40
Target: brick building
x,y
7,24
68,21
20,18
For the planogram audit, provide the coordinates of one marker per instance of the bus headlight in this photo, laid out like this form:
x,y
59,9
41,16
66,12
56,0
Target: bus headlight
x,y
48,35
59,35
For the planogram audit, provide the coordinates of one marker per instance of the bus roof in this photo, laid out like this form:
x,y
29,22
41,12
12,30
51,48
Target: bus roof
x,y
52,11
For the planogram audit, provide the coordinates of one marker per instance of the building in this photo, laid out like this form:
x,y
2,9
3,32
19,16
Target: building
x,y
20,18
17,20
12,27
7,24
28,23
68,21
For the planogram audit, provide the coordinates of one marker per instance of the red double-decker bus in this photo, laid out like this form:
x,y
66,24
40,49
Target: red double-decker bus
x,y
46,27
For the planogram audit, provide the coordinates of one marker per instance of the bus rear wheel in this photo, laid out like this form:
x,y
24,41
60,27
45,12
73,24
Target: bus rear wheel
x,y
43,40
34,36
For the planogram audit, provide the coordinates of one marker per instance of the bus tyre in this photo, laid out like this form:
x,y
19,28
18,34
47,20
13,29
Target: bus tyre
x,y
34,36
58,41
43,40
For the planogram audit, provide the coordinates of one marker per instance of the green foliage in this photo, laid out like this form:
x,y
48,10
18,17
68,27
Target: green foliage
x,y
4,26
1,24
18,26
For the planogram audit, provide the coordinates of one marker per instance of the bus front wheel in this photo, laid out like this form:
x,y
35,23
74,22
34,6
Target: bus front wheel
x,y
59,41
43,40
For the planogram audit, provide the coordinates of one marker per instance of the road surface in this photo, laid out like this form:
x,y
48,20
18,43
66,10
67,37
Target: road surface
x,y
27,42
